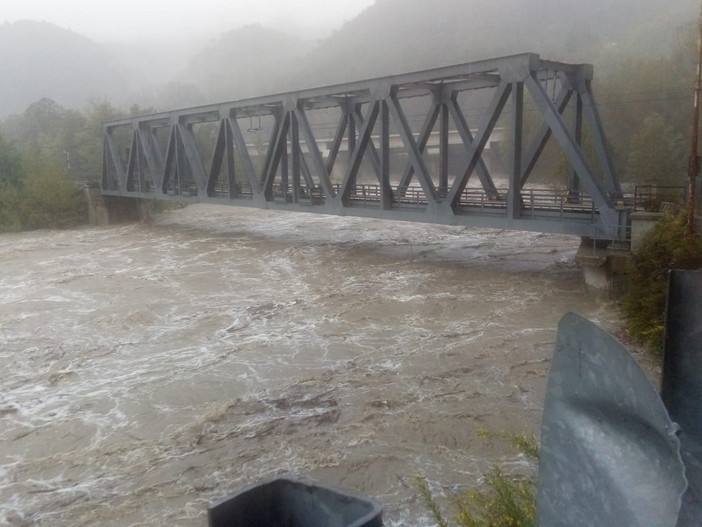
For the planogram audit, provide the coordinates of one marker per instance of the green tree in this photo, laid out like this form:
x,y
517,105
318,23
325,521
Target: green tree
x,y
656,153
666,247
11,172
50,198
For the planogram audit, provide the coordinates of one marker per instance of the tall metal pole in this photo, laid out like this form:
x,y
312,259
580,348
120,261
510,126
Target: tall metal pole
x,y
694,159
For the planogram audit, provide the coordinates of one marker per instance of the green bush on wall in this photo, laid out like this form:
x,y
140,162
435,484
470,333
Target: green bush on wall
x,y
667,246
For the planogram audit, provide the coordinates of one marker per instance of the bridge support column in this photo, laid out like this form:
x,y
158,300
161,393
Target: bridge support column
x,y
107,210
603,268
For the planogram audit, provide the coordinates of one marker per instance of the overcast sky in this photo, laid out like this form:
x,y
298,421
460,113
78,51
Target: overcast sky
x,y
126,20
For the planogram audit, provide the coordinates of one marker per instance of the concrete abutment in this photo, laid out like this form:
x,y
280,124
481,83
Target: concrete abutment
x,y
108,210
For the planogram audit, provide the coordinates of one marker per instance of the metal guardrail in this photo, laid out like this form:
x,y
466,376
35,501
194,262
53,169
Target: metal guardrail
x,y
656,198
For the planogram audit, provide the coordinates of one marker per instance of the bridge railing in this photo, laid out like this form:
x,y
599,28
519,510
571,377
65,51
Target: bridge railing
x,y
655,198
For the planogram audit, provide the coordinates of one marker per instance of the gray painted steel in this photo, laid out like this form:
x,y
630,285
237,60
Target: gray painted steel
x,y
610,454
681,386
292,501
354,149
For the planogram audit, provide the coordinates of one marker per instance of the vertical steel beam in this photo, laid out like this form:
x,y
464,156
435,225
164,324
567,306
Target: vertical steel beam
x,y
285,165
444,151
385,190
296,156
573,179
514,195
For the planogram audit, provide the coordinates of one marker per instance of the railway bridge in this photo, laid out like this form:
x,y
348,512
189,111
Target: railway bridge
x,y
495,143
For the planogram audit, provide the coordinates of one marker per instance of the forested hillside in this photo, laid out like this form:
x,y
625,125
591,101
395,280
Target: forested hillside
x,y
57,87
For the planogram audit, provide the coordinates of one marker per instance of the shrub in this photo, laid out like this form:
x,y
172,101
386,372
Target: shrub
x,y
503,501
51,200
10,209
667,246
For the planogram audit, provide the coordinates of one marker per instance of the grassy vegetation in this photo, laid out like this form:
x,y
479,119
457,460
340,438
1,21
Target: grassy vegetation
x,y
47,198
667,246
502,500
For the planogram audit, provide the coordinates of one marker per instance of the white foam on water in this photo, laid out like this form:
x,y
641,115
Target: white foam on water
x,y
150,370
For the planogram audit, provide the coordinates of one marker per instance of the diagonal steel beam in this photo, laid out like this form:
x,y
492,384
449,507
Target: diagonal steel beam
x,y
316,156
573,152
170,167
544,134
420,167
276,148
372,152
133,162
338,139
422,141
116,160
593,117
475,151
154,161
468,139
243,151
364,138
217,158
193,156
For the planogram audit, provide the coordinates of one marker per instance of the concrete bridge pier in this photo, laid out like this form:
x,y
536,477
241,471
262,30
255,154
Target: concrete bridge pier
x,y
604,268
108,210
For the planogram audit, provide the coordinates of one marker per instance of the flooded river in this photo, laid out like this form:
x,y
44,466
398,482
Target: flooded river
x,y
149,370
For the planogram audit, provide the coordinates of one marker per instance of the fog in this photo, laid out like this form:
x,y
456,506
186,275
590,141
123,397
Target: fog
x,y
172,54
130,20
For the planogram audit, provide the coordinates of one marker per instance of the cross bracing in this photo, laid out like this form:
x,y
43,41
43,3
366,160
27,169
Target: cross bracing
x,y
462,145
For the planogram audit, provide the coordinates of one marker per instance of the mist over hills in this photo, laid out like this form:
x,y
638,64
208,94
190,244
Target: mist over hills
x,y
39,60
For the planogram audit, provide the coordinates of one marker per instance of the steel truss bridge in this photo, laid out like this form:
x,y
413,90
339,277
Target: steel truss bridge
x,y
455,145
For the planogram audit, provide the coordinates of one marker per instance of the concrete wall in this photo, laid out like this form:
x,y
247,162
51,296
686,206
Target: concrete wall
x,y
641,224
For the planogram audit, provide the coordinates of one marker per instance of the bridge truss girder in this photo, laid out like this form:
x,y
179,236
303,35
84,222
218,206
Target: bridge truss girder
x,y
163,156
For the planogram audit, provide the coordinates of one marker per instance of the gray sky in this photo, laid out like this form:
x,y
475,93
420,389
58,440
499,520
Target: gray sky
x,y
128,20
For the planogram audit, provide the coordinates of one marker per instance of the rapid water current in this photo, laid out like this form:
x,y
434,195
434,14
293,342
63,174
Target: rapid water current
x,y
147,371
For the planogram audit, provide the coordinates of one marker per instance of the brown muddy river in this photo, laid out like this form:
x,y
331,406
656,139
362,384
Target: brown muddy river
x,y
149,370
